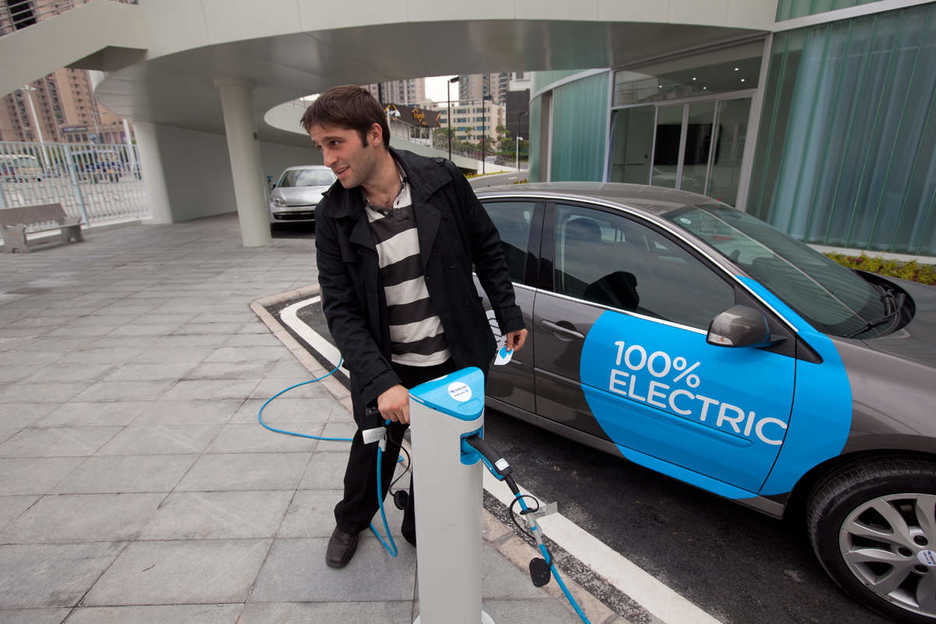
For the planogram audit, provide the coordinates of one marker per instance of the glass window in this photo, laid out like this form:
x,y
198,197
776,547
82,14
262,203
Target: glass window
x,y
666,148
513,220
832,298
732,69
632,144
614,261
845,150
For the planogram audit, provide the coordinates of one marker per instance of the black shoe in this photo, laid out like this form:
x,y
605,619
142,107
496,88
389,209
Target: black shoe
x,y
409,537
341,547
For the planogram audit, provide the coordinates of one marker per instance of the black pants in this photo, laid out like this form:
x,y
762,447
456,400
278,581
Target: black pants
x,y
355,511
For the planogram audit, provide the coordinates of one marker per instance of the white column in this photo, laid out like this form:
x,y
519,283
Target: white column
x,y
154,180
244,151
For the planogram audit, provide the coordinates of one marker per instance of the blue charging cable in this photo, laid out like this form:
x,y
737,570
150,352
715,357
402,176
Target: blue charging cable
x,y
392,547
540,569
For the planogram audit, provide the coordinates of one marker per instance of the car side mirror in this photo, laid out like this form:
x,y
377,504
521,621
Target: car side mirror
x,y
739,326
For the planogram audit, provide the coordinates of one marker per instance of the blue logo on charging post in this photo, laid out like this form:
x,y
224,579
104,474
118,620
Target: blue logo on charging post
x,y
459,394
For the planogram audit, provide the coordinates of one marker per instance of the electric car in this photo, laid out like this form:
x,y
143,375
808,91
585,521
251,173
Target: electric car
x,y
297,193
691,338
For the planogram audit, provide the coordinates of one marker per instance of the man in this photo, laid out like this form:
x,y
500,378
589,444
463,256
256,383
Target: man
x,y
397,238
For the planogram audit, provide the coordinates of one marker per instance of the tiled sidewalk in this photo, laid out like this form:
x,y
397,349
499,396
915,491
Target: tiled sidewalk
x,y
135,483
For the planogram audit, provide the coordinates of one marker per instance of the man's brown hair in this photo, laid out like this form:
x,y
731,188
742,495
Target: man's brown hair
x,y
349,107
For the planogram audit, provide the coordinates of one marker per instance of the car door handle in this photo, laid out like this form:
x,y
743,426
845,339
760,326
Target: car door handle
x,y
563,327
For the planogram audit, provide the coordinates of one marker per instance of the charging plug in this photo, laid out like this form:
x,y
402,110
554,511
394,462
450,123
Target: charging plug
x,y
539,571
400,499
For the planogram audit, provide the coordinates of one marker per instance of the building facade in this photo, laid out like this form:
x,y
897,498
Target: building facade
x,y
471,119
478,86
65,108
411,92
825,128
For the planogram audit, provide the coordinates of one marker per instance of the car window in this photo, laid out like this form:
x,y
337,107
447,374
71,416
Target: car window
x,y
832,298
615,261
307,177
513,220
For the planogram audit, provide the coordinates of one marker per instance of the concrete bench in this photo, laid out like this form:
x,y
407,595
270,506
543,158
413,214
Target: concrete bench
x,y
41,218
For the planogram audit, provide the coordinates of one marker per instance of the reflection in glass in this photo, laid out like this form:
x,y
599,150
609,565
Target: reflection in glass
x,y
729,150
698,145
666,151
632,144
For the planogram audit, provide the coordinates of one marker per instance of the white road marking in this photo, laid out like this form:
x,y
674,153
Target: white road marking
x,y
656,597
290,316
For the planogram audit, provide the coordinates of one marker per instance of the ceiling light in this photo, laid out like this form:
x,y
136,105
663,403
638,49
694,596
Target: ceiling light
x,y
737,69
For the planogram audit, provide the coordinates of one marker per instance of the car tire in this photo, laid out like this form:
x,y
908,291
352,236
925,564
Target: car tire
x,y
872,526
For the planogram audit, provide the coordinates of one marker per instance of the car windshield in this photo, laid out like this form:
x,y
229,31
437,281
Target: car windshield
x,y
307,177
834,299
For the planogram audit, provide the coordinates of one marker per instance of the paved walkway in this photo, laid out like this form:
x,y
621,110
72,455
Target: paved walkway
x,y
135,483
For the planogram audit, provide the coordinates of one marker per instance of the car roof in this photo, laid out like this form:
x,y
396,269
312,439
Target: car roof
x,y
650,199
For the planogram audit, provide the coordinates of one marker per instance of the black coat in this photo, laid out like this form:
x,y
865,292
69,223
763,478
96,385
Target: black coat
x,y
456,236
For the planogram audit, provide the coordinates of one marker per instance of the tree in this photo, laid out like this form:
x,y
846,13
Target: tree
x,y
505,142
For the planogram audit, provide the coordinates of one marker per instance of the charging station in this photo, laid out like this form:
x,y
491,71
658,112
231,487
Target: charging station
x,y
447,471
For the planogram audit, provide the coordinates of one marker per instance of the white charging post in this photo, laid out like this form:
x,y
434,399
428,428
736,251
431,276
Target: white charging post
x,y
448,481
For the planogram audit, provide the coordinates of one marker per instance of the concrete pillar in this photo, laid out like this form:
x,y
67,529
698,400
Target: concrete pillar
x,y
246,170
154,175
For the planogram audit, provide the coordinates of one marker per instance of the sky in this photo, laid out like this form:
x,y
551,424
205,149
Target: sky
x,y
435,88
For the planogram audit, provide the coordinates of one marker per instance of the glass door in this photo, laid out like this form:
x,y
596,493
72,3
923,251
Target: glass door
x,y
730,135
632,144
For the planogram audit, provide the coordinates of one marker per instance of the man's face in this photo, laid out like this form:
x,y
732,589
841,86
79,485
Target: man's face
x,y
353,162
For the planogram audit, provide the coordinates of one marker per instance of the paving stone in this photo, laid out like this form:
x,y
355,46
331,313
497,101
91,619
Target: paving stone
x,y
183,412
149,372
185,572
125,391
164,355
21,415
284,409
210,389
33,616
545,610
310,514
231,370
83,518
325,470
252,438
100,355
132,473
218,515
35,475
224,328
174,614
77,414
245,471
40,392
15,372
247,354
160,440
12,506
270,386
295,571
57,441
51,575
252,340
69,372
397,612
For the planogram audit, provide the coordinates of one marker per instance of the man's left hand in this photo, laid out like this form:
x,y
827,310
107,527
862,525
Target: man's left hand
x,y
515,340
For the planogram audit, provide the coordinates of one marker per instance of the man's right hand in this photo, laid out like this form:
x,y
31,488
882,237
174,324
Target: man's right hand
x,y
393,404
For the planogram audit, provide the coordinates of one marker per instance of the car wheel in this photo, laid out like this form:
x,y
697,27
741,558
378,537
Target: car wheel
x,y
873,527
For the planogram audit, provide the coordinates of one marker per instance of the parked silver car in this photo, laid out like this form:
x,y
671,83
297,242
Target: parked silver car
x,y
298,192
696,340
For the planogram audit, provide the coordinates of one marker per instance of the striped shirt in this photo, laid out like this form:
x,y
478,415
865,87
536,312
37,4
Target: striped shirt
x,y
416,334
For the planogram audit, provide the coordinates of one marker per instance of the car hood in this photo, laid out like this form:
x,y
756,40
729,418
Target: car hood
x,y
917,340
300,195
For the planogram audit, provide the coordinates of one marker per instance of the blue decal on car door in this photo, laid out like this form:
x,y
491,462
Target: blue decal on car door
x,y
822,410
661,389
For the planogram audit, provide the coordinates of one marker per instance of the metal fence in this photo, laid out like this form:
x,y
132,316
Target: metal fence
x,y
18,14
99,183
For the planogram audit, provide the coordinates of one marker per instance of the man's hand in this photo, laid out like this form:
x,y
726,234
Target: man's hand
x,y
515,340
393,404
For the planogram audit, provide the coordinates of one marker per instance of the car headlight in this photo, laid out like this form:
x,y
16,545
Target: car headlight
x,y
279,202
